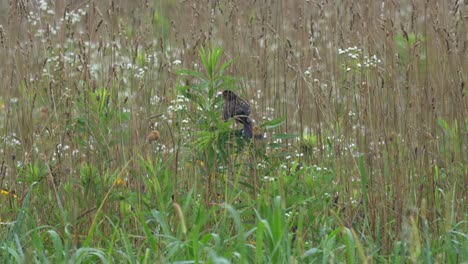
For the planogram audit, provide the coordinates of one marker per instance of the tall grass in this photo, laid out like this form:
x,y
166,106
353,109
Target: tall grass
x,y
113,147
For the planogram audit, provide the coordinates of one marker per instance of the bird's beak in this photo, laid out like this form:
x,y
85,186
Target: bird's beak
x,y
218,94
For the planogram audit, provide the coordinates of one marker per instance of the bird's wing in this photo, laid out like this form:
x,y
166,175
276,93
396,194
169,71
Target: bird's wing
x,y
243,108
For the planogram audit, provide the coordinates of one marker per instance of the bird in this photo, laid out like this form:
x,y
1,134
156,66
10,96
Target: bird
x,y
237,108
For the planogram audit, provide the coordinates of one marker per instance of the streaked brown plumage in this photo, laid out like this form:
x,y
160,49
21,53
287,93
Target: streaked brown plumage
x,y
235,107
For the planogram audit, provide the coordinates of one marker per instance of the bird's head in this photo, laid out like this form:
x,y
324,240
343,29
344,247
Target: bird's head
x,y
228,95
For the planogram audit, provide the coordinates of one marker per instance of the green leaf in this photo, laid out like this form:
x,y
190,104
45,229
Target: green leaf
x,y
350,247
58,246
259,244
284,136
311,252
190,73
272,124
282,154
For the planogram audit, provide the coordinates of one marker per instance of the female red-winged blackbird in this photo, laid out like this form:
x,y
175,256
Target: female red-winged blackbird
x,y
235,107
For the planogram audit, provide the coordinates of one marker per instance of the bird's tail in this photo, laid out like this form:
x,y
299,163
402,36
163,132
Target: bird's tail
x,y
248,128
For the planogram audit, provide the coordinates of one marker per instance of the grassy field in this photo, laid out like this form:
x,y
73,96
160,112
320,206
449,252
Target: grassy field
x,y
113,147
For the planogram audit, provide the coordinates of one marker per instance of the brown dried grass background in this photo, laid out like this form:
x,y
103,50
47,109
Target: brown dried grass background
x,y
396,106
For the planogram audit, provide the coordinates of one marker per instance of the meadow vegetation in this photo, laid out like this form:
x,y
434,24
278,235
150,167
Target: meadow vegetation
x,y
113,148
